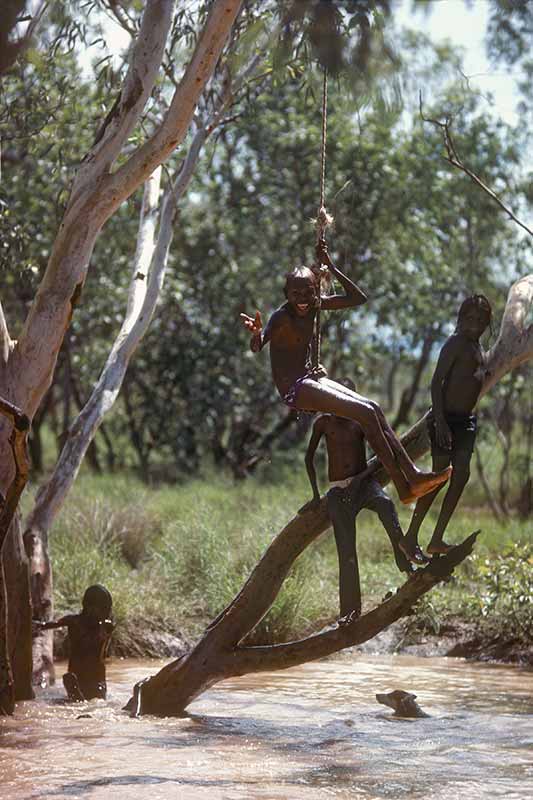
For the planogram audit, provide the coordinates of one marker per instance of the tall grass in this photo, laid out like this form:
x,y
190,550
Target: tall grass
x,y
173,558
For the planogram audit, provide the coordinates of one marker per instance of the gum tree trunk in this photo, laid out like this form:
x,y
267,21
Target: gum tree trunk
x,y
27,365
15,628
148,274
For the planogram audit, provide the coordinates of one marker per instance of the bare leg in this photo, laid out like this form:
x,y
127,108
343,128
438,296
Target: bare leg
x,y
343,519
330,397
460,476
70,682
386,511
409,544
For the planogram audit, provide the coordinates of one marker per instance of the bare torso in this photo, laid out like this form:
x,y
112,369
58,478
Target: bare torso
x,y
290,339
345,444
462,384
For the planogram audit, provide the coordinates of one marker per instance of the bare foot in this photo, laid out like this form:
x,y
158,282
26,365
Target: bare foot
x,y
402,562
439,548
350,617
426,482
407,497
413,552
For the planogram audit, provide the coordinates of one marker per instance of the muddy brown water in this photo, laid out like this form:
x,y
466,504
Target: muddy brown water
x,y
311,732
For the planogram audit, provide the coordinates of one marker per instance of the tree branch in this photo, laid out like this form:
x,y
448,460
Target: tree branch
x,y
176,122
514,345
291,654
454,159
6,342
146,56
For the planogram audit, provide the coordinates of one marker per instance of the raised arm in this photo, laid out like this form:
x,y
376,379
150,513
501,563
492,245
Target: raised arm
x,y
260,337
447,357
354,296
316,435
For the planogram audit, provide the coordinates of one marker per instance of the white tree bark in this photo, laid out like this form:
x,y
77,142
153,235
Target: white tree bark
x,y
149,268
96,193
514,345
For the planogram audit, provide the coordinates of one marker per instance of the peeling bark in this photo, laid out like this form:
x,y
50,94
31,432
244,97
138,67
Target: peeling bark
x,y
96,193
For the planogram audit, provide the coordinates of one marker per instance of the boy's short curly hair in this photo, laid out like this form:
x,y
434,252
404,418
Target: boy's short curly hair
x,y
477,301
97,596
300,272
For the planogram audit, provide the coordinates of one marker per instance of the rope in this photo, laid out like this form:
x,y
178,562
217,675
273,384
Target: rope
x,y
324,138
323,218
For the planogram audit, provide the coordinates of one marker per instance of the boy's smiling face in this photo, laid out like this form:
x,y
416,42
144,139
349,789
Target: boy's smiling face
x,y
301,294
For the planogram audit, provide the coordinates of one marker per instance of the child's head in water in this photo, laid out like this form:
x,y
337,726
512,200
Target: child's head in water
x,y
301,290
97,602
474,316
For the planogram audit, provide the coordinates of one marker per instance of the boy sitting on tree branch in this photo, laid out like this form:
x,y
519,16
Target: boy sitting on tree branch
x,y
289,333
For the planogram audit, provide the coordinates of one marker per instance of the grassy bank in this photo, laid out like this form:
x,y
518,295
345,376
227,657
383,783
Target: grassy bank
x,y
174,557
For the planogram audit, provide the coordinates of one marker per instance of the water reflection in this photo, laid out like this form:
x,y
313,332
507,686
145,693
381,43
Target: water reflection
x,y
311,732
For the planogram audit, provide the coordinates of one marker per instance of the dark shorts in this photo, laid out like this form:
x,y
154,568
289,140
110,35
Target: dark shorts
x,y
463,429
290,397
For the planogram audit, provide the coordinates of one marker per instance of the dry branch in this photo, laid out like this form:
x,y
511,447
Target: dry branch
x,y
453,158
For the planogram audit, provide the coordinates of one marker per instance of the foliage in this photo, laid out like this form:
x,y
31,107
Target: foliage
x,y
201,540
416,235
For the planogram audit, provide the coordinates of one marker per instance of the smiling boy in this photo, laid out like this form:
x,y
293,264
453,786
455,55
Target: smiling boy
x,y
289,333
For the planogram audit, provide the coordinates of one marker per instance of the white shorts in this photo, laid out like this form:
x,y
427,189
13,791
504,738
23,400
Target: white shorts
x,y
342,484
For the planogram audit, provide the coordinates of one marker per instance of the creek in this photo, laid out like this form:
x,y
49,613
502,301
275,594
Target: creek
x,y
310,732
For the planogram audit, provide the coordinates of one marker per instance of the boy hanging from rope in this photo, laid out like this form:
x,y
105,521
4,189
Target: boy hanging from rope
x,y
455,389
304,388
346,450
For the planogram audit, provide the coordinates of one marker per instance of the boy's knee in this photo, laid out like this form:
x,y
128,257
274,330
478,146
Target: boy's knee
x,y
385,511
461,474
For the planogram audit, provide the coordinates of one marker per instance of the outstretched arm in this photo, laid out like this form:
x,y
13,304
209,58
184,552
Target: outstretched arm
x,y
354,296
447,357
60,623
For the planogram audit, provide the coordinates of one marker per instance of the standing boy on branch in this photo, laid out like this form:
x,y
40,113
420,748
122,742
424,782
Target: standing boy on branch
x,y
455,389
346,450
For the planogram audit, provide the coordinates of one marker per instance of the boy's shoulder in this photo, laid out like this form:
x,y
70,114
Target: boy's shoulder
x,y
280,315
454,342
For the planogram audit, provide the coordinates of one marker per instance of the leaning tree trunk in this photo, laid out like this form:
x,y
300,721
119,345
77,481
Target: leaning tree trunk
x,y
219,654
27,365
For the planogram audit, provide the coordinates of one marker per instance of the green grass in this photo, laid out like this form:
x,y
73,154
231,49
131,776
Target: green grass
x,y
174,557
